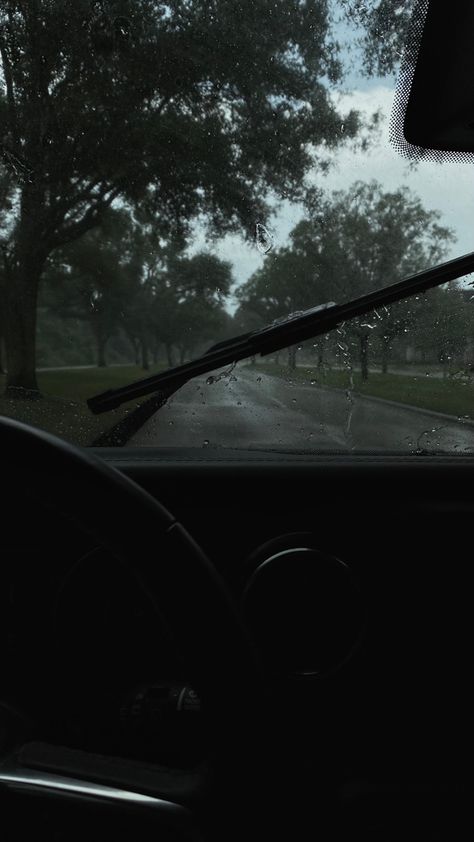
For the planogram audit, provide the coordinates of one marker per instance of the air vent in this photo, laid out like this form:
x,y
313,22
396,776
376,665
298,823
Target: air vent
x,y
303,608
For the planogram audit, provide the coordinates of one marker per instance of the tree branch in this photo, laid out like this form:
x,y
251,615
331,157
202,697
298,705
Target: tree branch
x,y
7,72
59,209
90,219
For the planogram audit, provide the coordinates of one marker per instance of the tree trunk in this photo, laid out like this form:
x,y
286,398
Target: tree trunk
x,y
445,365
385,355
145,356
2,324
101,338
169,355
101,345
22,274
364,354
182,354
136,350
292,357
21,302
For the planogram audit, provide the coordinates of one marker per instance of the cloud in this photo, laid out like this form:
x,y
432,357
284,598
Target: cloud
x,y
447,187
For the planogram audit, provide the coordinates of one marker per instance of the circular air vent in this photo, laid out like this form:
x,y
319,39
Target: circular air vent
x,y
303,609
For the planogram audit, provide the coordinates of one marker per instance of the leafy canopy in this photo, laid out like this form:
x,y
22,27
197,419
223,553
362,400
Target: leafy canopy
x,y
187,107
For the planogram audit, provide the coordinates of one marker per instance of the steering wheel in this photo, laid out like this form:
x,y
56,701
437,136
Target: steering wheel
x,y
180,582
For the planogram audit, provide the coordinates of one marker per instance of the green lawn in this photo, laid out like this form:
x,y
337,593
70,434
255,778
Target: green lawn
x,y
450,396
62,409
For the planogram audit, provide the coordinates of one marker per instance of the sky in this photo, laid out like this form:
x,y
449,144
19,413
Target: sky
x,y
447,187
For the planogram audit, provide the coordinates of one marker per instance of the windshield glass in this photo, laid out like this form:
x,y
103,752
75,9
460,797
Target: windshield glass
x,y
174,174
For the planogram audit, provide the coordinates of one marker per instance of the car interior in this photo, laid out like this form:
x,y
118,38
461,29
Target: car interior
x,y
227,643
354,717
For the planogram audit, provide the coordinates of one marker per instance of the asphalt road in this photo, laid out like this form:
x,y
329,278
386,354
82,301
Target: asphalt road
x,y
257,411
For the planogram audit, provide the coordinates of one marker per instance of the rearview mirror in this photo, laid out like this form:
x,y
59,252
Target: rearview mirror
x,y
439,113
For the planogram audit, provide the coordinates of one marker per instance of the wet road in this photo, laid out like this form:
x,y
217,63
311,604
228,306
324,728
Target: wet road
x,y
254,410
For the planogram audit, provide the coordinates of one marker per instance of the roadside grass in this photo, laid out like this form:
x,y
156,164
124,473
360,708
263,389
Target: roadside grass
x,y
450,396
62,409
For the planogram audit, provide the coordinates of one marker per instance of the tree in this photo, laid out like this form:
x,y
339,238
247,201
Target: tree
x,y
394,321
194,108
64,342
444,325
2,323
95,279
5,227
188,307
174,300
387,30
357,241
282,286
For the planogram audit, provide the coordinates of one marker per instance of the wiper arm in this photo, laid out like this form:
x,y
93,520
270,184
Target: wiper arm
x,y
292,330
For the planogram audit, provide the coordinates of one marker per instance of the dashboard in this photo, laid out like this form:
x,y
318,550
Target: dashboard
x,y
353,577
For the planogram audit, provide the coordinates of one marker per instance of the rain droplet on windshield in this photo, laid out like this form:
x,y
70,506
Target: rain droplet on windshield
x,y
345,354
215,378
263,238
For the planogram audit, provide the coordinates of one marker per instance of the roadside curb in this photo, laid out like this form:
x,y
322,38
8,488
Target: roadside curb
x,y
466,422
120,433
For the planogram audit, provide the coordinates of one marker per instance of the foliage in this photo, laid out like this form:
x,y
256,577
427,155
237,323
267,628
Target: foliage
x,y
92,279
179,108
354,242
386,27
117,279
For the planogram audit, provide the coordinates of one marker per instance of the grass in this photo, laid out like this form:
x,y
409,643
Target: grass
x,y
451,396
62,409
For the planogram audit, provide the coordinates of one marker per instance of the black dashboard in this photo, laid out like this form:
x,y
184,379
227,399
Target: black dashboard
x,y
361,564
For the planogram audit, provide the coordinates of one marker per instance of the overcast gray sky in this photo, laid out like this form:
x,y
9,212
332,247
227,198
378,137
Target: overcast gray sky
x,y
448,187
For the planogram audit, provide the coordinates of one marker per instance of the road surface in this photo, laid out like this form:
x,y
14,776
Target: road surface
x,y
258,411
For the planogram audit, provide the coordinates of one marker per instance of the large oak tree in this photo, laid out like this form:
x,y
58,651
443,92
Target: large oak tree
x,y
187,108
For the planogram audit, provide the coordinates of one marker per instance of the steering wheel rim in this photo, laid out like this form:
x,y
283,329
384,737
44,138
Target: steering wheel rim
x,y
128,522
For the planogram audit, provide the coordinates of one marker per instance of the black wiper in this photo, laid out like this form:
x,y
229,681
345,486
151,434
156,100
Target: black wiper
x,y
291,330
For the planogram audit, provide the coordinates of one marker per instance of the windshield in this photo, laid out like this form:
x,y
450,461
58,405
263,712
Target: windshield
x,y
175,174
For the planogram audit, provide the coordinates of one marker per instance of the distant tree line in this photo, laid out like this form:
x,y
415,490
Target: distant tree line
x,y
123,293
132,291
353,242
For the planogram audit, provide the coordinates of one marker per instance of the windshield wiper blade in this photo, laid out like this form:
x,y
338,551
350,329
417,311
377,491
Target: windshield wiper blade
x,y
294,329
